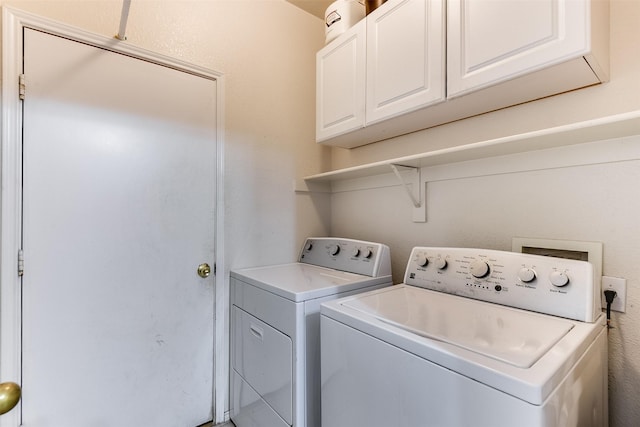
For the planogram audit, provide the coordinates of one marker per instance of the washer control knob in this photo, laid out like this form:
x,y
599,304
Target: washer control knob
x,y
527,275
559,278
479,269
440,263
367,253
334,250
422,260
308,246
355,253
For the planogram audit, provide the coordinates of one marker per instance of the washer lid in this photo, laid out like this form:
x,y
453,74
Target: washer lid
x,y
511,336
301,282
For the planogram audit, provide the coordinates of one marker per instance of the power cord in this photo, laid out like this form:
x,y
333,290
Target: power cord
x,y
609,296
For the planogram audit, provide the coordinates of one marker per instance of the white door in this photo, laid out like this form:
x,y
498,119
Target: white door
x,y
118,212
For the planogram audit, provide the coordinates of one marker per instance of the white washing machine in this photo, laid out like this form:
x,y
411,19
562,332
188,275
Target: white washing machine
x,y
275,328
473,338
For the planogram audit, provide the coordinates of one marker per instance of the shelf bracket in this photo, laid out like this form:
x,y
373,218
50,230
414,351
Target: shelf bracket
x,y
416,184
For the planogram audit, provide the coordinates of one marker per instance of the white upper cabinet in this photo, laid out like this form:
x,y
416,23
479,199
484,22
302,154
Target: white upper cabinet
x,y
340,77
405,58
388,64
491,41
386,76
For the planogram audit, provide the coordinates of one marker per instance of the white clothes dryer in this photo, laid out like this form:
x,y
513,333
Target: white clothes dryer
x,y
275,327
473,338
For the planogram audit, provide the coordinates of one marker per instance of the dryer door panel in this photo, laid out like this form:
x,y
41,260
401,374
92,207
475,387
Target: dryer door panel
x,y
248,409
263,356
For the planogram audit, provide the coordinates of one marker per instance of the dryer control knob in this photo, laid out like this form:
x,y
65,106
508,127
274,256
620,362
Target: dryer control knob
x,y
479,269
334,250
422,260
440,263
355,253
367,253
559,278
527,275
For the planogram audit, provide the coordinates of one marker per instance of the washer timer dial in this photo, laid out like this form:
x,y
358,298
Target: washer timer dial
x,y
479,269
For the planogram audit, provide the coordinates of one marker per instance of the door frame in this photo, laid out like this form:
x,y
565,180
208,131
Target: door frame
x,y
13,23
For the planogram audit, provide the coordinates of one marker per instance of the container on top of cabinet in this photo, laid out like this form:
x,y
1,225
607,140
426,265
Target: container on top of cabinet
x,y
340,16
413,64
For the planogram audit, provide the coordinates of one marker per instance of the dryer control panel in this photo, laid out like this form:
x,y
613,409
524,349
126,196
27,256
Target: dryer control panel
x,y
556,286
354,256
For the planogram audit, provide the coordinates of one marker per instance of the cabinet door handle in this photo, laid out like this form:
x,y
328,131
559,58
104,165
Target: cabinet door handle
x,y
256,331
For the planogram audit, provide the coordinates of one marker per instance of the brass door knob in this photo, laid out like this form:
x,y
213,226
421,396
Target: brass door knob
x,y
9,396
204,270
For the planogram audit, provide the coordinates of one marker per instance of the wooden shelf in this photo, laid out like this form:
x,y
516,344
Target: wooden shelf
x,y
617,126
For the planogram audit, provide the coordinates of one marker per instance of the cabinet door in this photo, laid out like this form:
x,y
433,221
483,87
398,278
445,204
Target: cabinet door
x,y
405,57
490,41
340,76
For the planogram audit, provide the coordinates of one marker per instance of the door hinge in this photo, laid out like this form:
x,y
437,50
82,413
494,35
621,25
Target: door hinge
x,y
20,262
21,86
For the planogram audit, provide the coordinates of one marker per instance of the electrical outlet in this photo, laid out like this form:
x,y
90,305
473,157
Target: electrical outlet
x,y
620,286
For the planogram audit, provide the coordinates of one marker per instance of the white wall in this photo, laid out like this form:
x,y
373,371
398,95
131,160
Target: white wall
x,y
591,203
266,50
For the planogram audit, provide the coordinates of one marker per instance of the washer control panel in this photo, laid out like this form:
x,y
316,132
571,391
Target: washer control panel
x,y
353,256
556,286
